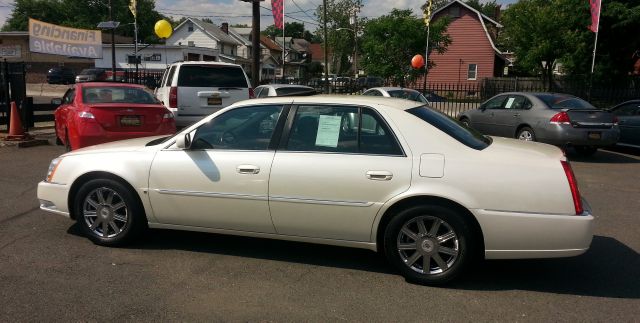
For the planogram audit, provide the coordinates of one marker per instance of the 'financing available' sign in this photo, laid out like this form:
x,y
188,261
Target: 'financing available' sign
x,y
53,39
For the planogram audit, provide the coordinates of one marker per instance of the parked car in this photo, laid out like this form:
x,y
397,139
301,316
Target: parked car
x,y
429,193
95,113
193,90
60,75
628,114
283,90
433,97
554,118
396,92
91,75
369,82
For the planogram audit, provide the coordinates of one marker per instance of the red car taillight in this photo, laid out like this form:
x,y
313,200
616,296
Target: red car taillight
x,y
252,94
173,97
560,118
573,184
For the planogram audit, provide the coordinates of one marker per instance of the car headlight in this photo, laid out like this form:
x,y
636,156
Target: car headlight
x,y
52,169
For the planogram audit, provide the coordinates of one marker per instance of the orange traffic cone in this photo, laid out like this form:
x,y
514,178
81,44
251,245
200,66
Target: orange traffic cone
x,y
16,132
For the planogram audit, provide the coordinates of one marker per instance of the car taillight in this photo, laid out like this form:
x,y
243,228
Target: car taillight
x,y
173,97
560,118
252,94
573,184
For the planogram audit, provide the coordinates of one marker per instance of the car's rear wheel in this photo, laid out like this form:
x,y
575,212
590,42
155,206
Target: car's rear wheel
x,y
586,151
108,212
429,244
67,143
466,122
526,134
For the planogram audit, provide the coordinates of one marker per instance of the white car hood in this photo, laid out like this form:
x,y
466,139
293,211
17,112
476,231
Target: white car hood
x,y
116,146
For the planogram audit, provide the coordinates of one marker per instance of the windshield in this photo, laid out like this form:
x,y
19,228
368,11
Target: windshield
x,y
408,95
452,127
561,101
117,94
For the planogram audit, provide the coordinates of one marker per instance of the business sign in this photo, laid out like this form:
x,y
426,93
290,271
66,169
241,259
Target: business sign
x,y
10,51
53,39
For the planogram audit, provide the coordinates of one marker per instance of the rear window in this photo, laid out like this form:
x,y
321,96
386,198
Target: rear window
x,y
114,94
559,101
407,95
452,127
294,91
211,76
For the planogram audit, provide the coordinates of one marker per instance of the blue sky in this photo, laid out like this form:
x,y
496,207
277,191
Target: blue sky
x,y
235,11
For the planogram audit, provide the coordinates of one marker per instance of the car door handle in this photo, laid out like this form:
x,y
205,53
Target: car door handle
x,y
248,169
379,175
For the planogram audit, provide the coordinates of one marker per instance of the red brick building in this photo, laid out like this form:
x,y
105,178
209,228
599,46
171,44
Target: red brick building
x,y
472,54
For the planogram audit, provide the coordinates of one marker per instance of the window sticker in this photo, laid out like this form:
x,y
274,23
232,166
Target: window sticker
x,y
509,103
328,131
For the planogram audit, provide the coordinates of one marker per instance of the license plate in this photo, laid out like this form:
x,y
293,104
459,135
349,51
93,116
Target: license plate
x,y
130,121
595,135
214,101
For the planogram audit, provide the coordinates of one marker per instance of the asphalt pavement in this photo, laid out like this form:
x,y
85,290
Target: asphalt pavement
x,y
49,272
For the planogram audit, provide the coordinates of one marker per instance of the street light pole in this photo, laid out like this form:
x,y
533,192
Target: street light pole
x,y
113,45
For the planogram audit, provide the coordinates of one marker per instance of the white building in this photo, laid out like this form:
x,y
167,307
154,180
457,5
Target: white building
x,y
154,57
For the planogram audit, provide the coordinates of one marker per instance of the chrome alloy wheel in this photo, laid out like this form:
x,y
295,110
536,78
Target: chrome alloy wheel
x,y
428,245
105,212
525,135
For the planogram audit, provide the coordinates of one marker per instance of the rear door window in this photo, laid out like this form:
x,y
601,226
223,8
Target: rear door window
x,y
212,76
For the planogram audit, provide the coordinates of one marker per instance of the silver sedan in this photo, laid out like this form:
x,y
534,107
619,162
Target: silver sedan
x,y
396,92
553,118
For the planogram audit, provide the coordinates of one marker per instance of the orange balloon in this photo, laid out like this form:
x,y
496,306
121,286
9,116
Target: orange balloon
x,y
417,61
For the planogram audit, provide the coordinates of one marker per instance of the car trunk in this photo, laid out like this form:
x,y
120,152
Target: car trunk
x,y
129,118
591,118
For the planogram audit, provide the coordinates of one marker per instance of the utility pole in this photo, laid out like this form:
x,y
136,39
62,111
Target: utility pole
x,y
326,65
255,41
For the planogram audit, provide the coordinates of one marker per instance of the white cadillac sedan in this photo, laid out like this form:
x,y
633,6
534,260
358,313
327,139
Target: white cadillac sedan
x,y
382,174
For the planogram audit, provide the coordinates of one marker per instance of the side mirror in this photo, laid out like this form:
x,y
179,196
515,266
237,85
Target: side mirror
x,y
56,101
183,142
483,107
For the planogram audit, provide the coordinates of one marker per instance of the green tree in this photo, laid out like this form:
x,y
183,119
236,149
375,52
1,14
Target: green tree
x,y
341,32
389,43
490,8
291,29
85,14
540,32
543,33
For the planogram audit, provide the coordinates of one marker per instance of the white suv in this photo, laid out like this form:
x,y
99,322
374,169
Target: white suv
x,y
193,90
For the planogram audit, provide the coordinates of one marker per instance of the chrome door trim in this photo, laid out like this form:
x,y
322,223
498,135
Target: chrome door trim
x,y
213,194
322,202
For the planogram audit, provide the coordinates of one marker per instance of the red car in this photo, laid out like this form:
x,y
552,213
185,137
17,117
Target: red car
x,y
95,113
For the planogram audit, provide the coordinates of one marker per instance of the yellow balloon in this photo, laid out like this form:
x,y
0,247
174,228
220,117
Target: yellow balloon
x,y
163,29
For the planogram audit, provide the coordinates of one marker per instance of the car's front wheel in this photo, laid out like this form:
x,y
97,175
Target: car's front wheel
x,y
108,212
429,244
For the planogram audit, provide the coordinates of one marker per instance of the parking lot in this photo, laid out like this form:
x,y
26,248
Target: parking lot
x,y
48,271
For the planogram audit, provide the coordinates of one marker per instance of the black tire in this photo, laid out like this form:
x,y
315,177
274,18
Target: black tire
x,y
67,143
401,249
526,134
118,212
58,141
586,151
466,122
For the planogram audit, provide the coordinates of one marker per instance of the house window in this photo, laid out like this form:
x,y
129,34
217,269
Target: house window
x,y
190,27
472,72
191,44
454,12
